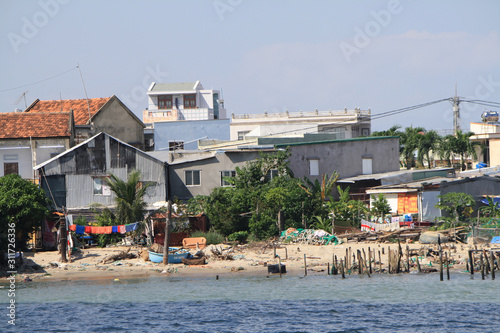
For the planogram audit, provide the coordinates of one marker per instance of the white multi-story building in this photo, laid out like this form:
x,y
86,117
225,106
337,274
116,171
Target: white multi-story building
x,y
487,132
182,101
346,124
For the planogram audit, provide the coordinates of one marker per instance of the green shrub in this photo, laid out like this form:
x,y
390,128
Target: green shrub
x,y
80,220
212,236
239,236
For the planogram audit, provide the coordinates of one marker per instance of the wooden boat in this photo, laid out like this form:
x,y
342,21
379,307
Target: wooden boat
x,y
173,258
194,261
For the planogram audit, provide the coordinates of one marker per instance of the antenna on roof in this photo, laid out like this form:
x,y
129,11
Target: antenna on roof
x,y
84,89
21,97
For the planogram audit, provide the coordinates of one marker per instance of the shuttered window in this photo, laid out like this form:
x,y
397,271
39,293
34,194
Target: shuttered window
x,y
193,177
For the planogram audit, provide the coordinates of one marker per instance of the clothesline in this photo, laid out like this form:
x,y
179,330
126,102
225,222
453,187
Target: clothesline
x,y
122,229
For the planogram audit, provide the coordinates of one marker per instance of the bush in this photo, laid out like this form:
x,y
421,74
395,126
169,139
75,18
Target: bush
x,y
212,236
239,236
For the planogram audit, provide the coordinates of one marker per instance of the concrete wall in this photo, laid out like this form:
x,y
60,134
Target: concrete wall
x,y
189,132
29,153
210,173
116,121
494,152
345,156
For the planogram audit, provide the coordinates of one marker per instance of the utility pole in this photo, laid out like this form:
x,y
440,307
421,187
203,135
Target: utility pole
x,y
456,112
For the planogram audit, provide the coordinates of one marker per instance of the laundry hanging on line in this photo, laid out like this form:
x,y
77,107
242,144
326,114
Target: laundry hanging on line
x,y
122,229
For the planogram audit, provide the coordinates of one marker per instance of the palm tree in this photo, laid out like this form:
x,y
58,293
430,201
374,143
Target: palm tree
x,y
393,131
461,144
444,149
410,139
427,143
130,205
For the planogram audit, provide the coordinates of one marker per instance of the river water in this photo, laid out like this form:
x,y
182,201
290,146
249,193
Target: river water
x,y
382,303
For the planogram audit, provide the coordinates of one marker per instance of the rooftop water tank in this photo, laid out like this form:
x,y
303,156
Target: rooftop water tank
x,y
489,116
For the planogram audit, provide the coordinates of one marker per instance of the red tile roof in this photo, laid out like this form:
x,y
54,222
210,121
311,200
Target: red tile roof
x,y
79,107
17,125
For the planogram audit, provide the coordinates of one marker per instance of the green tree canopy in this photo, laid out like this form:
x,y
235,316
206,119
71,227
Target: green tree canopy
x,y
461,145
380,206
459,205
261,189
22,203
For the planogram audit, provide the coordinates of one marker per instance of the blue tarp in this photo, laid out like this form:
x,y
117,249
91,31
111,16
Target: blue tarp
x,y
495,240
495,200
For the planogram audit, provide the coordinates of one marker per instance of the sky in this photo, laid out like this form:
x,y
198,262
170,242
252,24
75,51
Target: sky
x,y
264,55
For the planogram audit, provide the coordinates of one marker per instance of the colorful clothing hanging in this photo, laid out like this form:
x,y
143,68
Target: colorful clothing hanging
x,y
124,228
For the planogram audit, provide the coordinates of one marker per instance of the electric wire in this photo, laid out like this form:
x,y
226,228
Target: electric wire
x,y
342,123
33,83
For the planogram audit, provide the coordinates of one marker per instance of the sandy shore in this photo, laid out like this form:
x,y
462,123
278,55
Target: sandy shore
x,y
249,260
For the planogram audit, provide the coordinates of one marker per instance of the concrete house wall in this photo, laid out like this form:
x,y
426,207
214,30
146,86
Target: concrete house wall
x,y
210,172
189,132
344,156
117,120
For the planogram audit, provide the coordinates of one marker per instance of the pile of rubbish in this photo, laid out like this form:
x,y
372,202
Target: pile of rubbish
x,y
308,236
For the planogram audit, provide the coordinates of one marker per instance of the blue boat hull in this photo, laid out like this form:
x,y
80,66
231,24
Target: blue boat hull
x,y
175,258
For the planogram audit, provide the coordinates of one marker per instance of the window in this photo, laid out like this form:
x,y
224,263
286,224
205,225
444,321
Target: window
x,y
241,135
225,174
271,174
314,167
100,186
165,102
193,177
10,165
10,168
175,145
216,106
189,101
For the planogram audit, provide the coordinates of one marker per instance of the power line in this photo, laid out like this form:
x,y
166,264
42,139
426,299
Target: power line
x,y
33,83
341,123
485,103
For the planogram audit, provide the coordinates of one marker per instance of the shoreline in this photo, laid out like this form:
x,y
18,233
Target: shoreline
x,y
249,260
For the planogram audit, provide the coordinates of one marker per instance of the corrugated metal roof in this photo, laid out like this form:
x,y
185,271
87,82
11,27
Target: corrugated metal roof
x,y
187,156
181,86
143,153
375,176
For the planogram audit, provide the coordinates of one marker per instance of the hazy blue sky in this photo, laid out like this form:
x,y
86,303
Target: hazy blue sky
x,y
265,55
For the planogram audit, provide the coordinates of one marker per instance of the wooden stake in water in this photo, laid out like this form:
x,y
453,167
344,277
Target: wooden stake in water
x,y
407,258
342,268
360,264
370,260
492,256
482,265
486,262
418,265
366,268
305,265
380,261
328,268
471,263
440,260
447,266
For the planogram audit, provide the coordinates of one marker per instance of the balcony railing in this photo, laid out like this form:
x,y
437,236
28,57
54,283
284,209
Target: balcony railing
x,y
306,114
